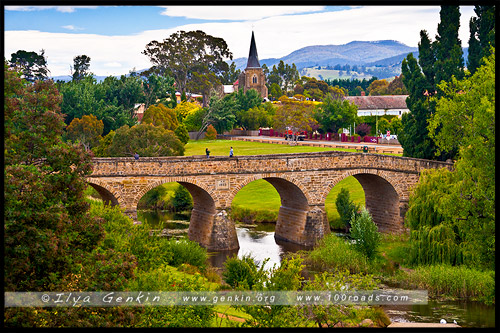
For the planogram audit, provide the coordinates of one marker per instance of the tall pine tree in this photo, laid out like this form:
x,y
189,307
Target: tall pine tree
x,y
449,55
482,36
438,60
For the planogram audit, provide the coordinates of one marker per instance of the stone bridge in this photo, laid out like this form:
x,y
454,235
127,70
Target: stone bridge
x,y
303,180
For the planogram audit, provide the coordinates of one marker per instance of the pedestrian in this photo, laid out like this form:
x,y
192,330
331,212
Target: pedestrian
x,y
207,152
136,156
231,152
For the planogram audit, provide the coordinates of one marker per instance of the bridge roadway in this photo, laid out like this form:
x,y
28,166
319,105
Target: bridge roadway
x,y
303,180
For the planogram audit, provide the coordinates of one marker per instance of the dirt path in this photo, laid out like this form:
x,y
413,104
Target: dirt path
x,y
232,318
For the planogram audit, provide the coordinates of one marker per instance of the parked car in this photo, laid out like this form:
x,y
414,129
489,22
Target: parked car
x,y
301,136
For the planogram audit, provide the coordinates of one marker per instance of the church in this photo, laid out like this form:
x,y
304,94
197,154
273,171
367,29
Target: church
x,y
253,76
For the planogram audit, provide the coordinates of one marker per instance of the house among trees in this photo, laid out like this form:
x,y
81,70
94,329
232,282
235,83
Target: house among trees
x,y
253,76
380,105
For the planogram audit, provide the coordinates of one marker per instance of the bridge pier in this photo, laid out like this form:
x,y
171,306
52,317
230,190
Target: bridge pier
x,y
213,230
300,226
132,213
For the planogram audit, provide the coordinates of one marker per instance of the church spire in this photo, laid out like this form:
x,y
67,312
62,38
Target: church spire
x,y
253,58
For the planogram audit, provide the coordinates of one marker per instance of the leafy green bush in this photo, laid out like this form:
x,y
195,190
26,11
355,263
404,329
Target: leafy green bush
x,y
242,273
165,279
334,253
345,207
182,199
365,233
185,251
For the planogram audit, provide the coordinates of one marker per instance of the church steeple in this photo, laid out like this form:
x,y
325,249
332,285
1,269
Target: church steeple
x,y
253,58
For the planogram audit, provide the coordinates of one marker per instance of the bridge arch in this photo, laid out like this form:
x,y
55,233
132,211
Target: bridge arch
x,y
299,221
282,182
383,198
108,197
206,219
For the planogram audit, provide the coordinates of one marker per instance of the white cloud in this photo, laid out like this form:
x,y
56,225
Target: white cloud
x,y
276,36
62,9
71,27
236,13
113,64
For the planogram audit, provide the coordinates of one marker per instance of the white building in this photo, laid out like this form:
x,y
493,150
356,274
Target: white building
x,y
380,105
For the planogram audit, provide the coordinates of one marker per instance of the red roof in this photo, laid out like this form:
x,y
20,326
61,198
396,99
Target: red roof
x,y
379,102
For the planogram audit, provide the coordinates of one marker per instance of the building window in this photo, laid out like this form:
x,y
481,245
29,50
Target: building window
x,y
254,79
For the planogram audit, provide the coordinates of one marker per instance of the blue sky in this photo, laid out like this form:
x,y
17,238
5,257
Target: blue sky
x,y
114,36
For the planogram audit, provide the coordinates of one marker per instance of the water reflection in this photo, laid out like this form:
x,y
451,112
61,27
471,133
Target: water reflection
x,y
260,244
466,314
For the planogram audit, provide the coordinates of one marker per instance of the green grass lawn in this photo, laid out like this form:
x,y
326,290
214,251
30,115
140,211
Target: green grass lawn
x,y
244,148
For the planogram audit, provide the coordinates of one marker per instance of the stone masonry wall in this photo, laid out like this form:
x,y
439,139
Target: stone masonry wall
x,y
302,180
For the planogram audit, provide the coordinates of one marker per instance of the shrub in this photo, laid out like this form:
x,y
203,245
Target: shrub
x,y
182,199
363,129
345,207
185,251
242,273
211,133
365,233
334,253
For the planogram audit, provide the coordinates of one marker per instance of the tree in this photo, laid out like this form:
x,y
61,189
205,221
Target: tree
x,y
33,66
158,87
365,232
161,116
211,133
87,130
249,99
184,53
80,67
294,116
345,207
378,87
482,35
182,199
231,75
184,109
396,87
449,60
284,76
146,140
439,60
396,126
182,133
102,149
335,113
256,117
415,139
222,112
459,228
47,228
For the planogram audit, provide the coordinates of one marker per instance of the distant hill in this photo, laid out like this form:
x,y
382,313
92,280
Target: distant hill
x,y
383,59
353,53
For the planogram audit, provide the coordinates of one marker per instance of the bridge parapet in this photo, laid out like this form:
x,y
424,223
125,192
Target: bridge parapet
x,y
182,166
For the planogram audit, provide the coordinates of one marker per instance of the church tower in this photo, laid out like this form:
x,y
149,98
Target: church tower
x,y
253,76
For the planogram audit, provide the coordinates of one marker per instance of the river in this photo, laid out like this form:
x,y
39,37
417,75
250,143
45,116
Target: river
x,y
258,241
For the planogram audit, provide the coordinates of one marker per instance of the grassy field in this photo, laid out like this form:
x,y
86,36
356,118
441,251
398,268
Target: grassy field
x,y
244,148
